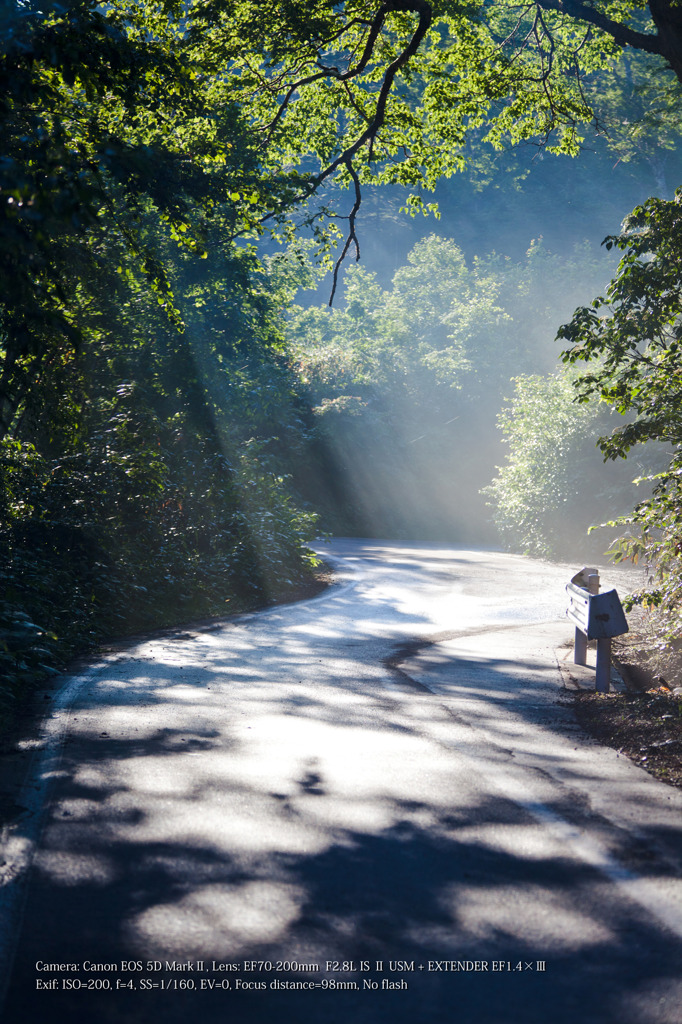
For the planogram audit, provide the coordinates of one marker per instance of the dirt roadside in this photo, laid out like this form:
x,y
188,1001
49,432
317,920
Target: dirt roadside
x,y
641,717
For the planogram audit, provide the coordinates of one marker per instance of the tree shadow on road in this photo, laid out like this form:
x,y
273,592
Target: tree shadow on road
x,y
240,798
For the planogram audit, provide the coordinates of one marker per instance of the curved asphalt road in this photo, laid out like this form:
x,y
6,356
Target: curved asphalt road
x,y
379,794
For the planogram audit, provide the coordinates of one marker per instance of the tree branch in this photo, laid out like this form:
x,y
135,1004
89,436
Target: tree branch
x,y
375,123
620,33
375,27
352,236
370,133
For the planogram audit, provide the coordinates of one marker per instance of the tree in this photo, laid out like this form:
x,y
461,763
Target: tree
x,y
619,22
127,487
633,336
106,126
553,486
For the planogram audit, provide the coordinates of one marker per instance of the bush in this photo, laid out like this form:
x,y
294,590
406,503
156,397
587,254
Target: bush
x,y
554,485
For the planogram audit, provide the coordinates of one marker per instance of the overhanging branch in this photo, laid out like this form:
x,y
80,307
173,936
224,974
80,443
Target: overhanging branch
x,y
374,123
352,236
621,34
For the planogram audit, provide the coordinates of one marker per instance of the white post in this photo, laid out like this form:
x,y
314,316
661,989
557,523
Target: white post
x,y
580,645
580,648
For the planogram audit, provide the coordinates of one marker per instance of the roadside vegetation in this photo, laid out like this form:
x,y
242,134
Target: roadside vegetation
x,y
179,416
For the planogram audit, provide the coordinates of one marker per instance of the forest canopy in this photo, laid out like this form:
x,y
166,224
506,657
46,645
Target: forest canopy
x,y
209,108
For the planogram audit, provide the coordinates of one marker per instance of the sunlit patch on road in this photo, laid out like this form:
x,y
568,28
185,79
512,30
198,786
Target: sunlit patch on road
x,y
258,793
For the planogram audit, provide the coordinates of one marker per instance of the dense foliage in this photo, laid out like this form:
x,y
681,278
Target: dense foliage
x,y
553,486
148,488
633,336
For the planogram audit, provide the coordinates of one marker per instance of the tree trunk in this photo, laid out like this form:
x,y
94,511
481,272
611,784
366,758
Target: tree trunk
x,y
667,16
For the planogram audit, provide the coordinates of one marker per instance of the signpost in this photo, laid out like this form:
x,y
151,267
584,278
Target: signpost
x,y
596,617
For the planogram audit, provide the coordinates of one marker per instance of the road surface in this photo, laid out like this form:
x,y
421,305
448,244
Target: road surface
x,y
374,805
